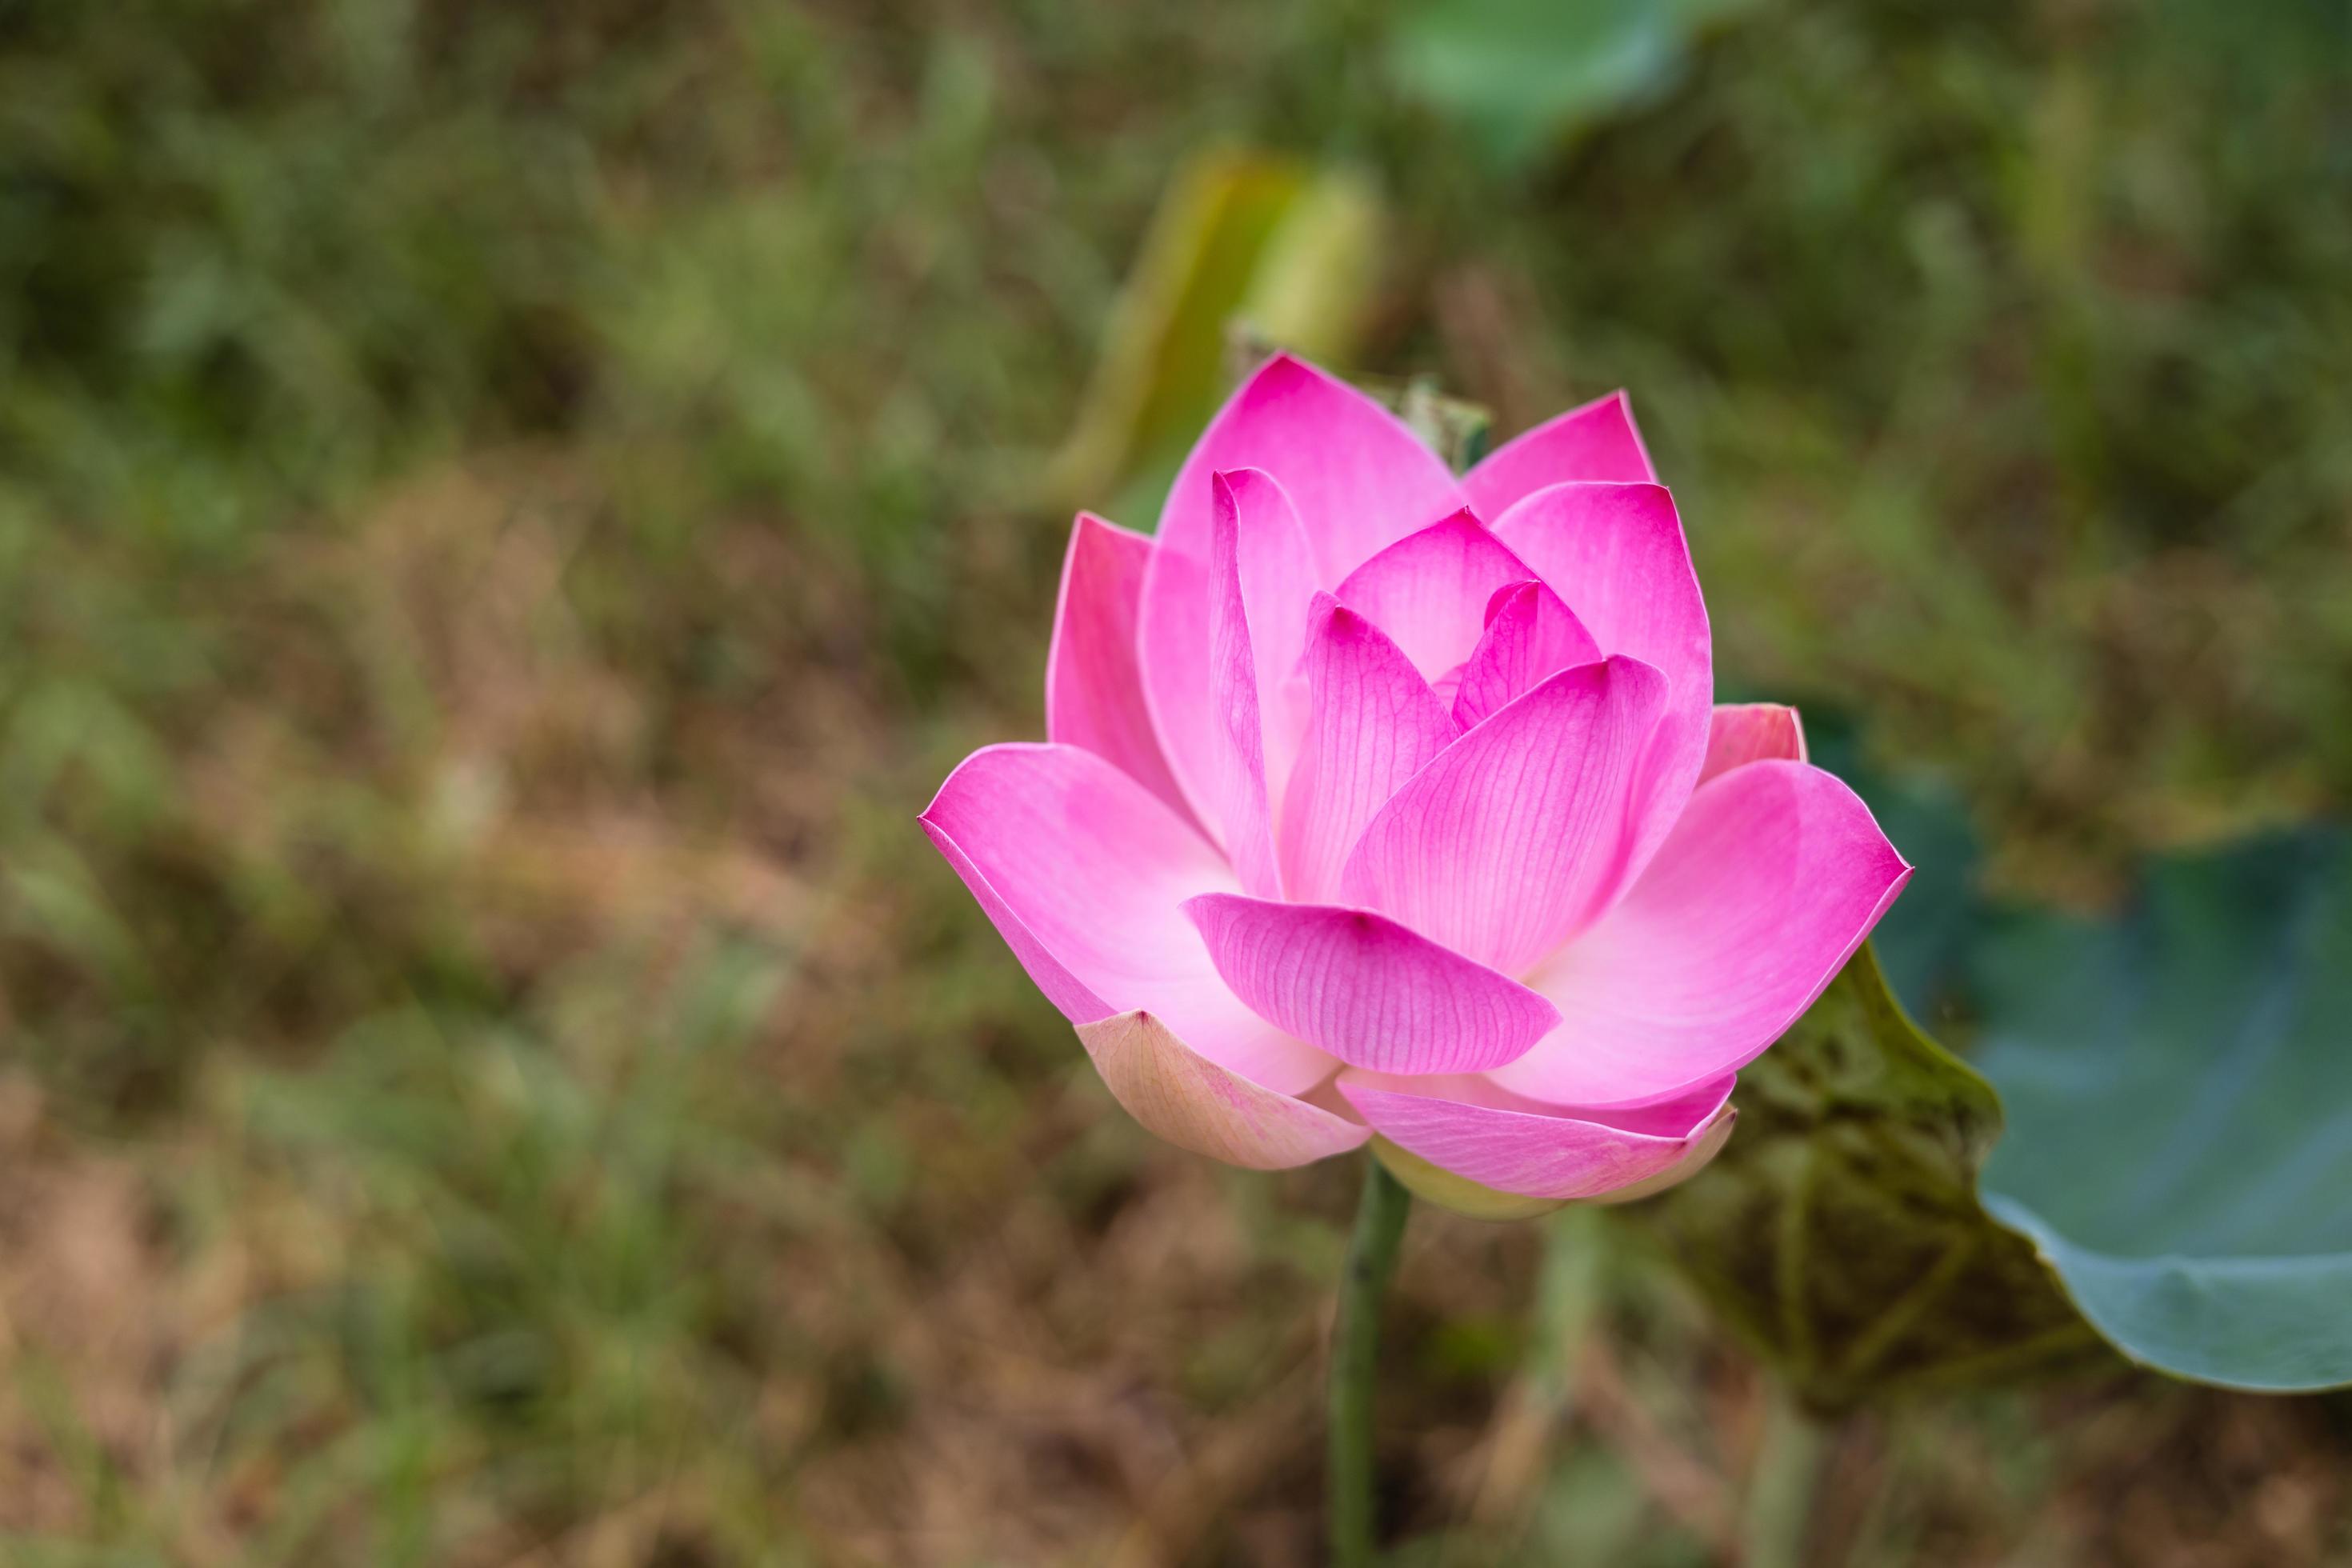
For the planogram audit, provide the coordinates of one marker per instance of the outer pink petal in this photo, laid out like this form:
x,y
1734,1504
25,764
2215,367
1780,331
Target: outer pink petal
x,y
1464,1125
1094,686
1774,875
1705,1145
1429,591
1616,553
1530,635
1510,840
1742,732
1193,1103
1086,872
1360,479
1373,724
1243,813
1366,989
1597,441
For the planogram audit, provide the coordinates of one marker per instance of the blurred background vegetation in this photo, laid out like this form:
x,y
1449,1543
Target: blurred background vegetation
x,y
506,512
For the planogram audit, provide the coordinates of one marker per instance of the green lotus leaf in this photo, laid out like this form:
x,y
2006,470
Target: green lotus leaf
x,y
2179,1091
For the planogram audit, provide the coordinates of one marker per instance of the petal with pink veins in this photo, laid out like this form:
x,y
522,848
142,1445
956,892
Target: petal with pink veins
x,y
1595,442
1430,590
1193,1103
1703,1147
1512,838
1530,634
1616,553
1741,733
1773,877
1246,504
1372,723
1367,990
1094,688
1360,479
1466,1126
1085,872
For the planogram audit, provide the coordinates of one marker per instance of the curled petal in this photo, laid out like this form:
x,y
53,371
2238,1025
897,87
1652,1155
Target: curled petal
x,y
1372,723
1516,834
1468,1127
1773,877
1595,442
1193,1103
1094,686
1367,990
1429,591
1751,732
1085,871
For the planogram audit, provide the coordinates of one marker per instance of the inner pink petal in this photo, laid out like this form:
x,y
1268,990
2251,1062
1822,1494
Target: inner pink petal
x,y
1530,635
1429,591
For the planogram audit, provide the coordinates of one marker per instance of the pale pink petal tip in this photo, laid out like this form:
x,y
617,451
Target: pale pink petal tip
x,y
1182,1097
1367,990
1739,732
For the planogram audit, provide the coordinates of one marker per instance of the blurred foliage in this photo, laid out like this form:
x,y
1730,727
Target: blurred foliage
x,y
1520,74
506,512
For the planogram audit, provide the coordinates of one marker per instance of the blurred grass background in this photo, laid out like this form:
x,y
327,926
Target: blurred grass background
x,y
507,510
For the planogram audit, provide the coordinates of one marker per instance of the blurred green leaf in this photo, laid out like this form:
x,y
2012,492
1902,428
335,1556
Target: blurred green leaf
x,y
1520,74
1274,249
2180,1085
1840,1232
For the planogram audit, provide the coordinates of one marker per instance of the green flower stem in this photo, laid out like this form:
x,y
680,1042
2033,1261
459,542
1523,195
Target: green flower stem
x,y
1355,1361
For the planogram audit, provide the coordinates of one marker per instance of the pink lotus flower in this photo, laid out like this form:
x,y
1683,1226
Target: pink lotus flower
x,y
1377,802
